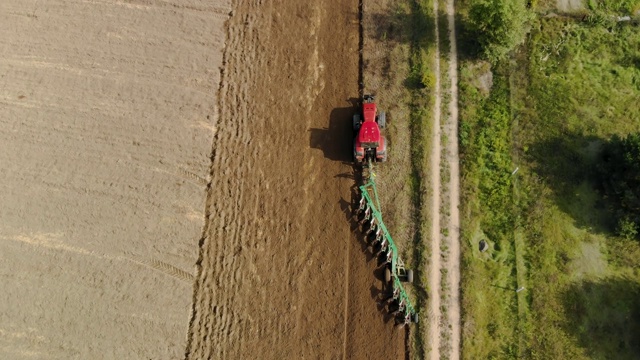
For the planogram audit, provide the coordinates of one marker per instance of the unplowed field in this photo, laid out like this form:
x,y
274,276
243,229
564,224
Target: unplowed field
x,y
106,113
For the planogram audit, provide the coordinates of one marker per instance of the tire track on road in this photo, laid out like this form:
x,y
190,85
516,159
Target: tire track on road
x,y
434,314
453,159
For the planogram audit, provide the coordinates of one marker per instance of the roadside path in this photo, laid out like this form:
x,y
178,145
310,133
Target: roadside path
x,y
444,328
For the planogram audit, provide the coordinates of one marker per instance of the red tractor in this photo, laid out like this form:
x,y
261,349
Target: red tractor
x,y
369,144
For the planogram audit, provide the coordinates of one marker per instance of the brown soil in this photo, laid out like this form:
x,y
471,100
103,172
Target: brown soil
x,y
569,5
282,272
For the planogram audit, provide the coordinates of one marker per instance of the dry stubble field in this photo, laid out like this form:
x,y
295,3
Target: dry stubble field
x,y
106,113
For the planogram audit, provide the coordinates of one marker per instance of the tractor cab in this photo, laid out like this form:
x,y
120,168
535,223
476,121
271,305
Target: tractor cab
x,y
369,144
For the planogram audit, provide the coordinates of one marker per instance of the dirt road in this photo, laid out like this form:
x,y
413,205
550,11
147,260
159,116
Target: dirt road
x,y
444,273
105,134
281,273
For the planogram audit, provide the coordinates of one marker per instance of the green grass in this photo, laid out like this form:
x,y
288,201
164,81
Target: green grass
x,y
569,89
583,86
489,300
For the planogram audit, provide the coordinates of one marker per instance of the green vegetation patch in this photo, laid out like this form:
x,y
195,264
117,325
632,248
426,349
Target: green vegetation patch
x,y
554,105
489,298
584,79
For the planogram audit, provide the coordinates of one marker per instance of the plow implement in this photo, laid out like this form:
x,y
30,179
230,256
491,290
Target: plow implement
x,y
368,213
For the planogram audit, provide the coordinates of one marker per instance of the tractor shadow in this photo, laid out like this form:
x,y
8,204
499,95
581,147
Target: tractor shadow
x,y
336,140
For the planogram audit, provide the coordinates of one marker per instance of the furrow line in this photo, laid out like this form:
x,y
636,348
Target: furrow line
x,y
434,263
215,324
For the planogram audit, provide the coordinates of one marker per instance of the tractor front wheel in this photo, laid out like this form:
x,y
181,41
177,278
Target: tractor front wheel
x,y
382,119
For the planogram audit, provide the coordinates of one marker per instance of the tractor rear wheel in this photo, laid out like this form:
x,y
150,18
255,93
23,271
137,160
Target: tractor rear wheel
x,y
356,122
382,119
384,150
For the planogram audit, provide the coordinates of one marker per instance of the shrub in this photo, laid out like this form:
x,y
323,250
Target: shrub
x,y
620,176
501,26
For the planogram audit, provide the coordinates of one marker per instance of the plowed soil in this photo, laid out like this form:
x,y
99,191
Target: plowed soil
x,y
282,274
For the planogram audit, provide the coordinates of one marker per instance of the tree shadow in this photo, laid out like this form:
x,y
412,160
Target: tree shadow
x,y
568,164
469,48
604,316
414,24
336,140
392,25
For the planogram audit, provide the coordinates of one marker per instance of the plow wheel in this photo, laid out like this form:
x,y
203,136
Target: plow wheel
x,y
387,274
409,277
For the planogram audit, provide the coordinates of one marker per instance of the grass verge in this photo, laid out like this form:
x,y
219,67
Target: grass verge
x,y
421,83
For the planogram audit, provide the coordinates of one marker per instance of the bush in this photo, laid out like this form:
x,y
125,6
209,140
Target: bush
x,y
627,228
501,26
620,175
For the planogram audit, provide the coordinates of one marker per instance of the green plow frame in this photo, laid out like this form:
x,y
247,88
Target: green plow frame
x,y
397,266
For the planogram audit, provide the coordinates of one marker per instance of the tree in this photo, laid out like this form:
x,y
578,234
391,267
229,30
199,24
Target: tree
x,y
501,25
620,176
